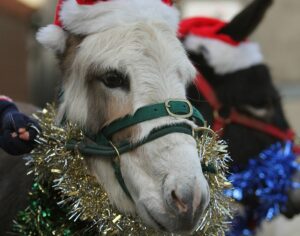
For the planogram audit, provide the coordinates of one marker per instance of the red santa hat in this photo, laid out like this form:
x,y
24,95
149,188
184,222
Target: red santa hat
x,y
84,17
225,54
205,27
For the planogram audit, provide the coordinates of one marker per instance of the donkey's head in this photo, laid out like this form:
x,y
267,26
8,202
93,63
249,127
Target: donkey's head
x,y
116,57
235,69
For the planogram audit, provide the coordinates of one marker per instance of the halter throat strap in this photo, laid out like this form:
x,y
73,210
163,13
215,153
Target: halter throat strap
x,y
220,123
104,148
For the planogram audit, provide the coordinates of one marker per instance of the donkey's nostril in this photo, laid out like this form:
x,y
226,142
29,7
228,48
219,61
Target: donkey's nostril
x,y
181,206
185,201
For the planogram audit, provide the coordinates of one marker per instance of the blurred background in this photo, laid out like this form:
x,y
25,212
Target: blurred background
x,y
29,73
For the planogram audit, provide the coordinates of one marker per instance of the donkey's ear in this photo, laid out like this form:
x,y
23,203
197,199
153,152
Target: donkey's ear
x,y
246,22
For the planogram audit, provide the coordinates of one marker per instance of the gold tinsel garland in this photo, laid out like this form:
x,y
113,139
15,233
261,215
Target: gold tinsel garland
x,y
87,201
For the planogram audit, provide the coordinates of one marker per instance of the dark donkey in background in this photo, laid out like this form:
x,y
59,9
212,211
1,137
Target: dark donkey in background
x,y
235,90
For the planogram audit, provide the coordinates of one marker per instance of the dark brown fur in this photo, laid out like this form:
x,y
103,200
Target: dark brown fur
x,y
67,57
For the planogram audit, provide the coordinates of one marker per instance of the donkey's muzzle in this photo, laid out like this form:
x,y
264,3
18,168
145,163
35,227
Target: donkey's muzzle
x,y
186,200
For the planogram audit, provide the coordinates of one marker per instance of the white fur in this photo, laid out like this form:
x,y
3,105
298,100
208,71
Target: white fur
x,y
75,102
226,58
52,37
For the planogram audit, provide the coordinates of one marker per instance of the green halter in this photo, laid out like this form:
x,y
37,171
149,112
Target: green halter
x,y
103,147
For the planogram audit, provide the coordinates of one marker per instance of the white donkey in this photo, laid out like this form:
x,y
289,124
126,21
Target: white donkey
x,y
118,56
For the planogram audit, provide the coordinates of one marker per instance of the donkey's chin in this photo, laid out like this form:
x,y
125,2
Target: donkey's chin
x,y
161,218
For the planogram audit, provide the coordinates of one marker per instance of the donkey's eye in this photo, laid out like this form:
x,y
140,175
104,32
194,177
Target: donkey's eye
x,y
115,79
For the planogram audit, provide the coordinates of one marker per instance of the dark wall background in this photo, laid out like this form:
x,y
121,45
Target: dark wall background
x,y
14,18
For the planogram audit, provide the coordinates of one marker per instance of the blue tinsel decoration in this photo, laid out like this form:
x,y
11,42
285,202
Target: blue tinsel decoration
x,y
262,187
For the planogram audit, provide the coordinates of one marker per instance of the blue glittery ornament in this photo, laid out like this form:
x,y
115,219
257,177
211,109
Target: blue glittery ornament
x,y
262,187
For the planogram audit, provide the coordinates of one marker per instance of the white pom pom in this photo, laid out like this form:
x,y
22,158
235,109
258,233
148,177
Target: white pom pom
x,y
53,37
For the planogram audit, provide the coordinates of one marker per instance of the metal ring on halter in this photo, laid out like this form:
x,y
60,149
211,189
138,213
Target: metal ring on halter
x,y
116,150
201,129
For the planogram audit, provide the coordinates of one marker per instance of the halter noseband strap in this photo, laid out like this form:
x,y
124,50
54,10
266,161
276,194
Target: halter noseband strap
x,y
103,147
175,108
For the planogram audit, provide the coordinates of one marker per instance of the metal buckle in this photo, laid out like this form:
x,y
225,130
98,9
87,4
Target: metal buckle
x,y
168,106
